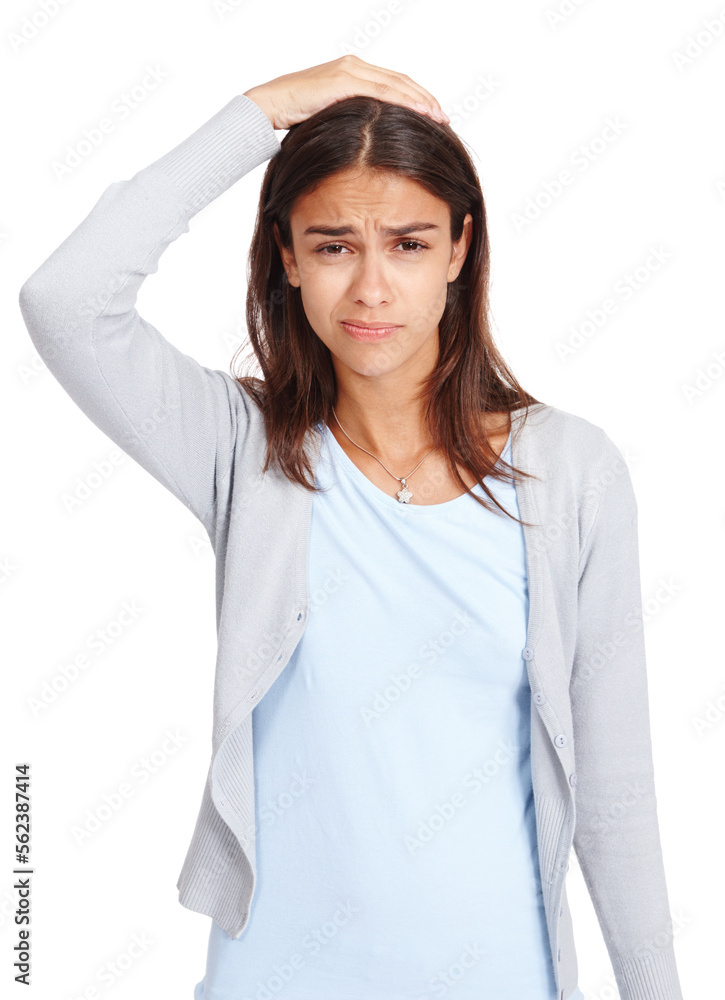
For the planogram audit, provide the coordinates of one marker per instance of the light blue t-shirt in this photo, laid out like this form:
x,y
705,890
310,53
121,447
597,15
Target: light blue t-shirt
x,y
396,834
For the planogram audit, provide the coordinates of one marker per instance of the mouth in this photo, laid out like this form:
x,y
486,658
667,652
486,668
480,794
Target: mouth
x,y
375,331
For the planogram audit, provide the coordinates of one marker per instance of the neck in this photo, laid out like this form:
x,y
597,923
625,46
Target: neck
x,y
381,413
393,428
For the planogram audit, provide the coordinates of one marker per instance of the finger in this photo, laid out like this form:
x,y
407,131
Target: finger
x,y
401,85
399,81
426,96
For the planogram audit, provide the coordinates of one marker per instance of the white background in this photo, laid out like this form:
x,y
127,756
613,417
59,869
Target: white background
x,y
552,87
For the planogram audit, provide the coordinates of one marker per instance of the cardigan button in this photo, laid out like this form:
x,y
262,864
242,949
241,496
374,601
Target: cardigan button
x,y
539,697
572,778
561,740
528,653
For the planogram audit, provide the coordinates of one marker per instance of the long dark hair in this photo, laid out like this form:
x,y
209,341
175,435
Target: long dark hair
x,y
298,387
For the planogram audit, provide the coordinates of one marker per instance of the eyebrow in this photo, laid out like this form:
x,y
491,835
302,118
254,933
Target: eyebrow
x,y
413,227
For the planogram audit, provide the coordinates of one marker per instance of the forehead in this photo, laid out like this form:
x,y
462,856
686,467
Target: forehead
x,y
371,194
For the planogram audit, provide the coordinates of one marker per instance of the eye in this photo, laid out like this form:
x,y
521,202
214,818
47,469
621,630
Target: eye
x,y
417,243
329,246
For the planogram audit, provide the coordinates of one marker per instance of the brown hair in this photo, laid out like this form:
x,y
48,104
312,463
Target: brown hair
x,y
299,385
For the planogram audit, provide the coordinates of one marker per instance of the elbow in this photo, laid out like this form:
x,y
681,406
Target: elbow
x,y
28,296
34,297
45,314
33,302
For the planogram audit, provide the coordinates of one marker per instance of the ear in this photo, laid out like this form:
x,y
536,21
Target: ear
x,y
288,259
459,249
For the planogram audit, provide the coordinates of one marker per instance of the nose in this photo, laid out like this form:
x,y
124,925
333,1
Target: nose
x,y
369,282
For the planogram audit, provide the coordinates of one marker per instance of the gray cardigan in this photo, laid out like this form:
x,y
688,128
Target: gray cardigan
x,y
200,435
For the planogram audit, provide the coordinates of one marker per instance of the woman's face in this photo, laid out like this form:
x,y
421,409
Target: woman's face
x,y
358,270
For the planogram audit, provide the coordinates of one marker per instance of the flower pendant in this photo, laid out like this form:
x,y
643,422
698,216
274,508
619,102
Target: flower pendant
x,y
404,495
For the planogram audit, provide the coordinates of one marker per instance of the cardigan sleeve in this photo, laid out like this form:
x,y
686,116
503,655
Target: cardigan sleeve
x,y
175,417
616,836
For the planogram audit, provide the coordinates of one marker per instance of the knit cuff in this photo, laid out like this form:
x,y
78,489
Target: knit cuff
x,y
653,976
232,142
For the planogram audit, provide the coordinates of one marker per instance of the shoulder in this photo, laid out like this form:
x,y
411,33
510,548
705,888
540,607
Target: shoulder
x,y
553,425
557,436
576,459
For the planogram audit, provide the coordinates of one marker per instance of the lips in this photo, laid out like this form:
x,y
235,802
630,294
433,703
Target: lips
x,y
370,326
365,331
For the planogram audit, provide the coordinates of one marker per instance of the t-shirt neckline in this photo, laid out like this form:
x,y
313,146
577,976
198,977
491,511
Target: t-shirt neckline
x,y
344,461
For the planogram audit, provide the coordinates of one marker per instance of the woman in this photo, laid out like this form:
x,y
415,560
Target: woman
x,y
430,679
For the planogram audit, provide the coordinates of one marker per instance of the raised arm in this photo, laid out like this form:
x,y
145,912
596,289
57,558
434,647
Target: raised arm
x,y
175,417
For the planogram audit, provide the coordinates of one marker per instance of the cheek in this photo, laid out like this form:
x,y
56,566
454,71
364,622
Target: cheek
x,y
427,277
320,291
426,298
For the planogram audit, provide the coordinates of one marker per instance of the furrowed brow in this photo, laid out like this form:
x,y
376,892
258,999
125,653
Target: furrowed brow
x,y
413,227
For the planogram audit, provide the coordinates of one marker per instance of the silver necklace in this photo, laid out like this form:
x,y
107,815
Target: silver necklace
x,y
404,495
